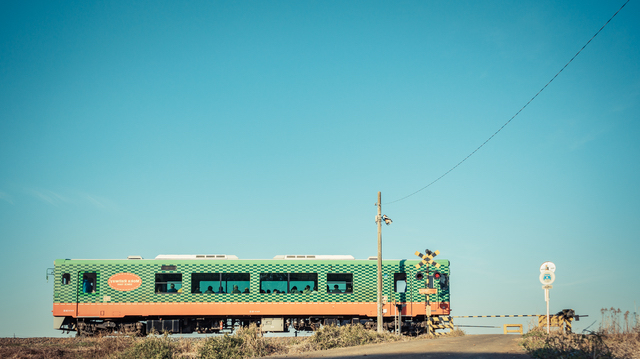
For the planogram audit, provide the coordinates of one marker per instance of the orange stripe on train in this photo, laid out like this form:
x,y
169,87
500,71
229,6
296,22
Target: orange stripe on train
x,y
119,310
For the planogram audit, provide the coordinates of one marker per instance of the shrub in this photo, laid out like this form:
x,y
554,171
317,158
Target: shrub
x,y
457,332
103,347
245,343
331,336
225,347
539,344
151,347
615,339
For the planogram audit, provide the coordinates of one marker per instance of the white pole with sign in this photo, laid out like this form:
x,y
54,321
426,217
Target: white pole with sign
x,y
547,276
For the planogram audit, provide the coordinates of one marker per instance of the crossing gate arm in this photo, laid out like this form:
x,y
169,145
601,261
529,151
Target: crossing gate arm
x,y
476,326
496,316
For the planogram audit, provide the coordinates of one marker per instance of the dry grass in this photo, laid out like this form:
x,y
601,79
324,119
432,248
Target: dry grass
x,y
245,343
616,338
330,337
622,335
62,347
457,332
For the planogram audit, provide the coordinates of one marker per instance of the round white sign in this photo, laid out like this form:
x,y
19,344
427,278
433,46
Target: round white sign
x,y
547,277
547,266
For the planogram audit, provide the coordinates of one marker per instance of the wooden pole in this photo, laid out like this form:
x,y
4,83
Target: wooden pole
x,y
380,262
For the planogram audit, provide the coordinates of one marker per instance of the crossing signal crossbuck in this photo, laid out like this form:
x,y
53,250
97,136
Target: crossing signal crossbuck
x,y
427,258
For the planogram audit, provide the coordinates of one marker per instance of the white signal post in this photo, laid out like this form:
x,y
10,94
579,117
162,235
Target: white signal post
x,y
547,276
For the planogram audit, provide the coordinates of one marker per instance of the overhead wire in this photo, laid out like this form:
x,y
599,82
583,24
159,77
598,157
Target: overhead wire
x,y
516,114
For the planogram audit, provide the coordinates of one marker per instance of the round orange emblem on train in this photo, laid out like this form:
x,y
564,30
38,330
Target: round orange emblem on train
x,y
124,282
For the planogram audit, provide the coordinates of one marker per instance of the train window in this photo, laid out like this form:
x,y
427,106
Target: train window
x,y
274,282
89,283
207,283
400,282
235,283
339,283
170,283
296,283
303,283
66,278
220,283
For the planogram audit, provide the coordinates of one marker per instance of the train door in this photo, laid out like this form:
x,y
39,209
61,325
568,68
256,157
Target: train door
x,y
401,290
87,292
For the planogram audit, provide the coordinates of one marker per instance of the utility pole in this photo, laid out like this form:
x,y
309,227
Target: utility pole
x,y
379,220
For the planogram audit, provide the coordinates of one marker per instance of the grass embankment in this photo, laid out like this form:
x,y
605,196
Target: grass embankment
x,y
615,339
245,343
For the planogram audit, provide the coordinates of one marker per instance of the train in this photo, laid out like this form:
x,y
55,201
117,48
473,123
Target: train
x,y
217,293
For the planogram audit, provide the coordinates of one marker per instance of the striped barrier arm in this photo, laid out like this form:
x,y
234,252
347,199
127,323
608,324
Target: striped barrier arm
x,y
496,316
559,321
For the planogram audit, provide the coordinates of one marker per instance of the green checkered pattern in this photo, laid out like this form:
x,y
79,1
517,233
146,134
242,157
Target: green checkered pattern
x,y
364,280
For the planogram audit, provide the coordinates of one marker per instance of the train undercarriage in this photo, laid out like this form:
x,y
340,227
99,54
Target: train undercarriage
x,y
140,326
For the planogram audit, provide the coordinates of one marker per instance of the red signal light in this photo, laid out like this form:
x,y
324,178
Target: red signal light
x,y
437,275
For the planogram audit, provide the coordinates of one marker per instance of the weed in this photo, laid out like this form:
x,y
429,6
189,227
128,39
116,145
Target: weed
x,y
457,332
614,339
151,347
245,343
331,336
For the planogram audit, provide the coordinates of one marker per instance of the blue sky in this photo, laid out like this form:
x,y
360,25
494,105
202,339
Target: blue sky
x,y
266,128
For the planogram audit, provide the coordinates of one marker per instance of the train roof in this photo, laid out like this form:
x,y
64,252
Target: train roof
x,y
231,256
228,257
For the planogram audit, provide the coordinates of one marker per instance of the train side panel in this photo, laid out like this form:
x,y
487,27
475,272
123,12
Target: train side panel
x,y
116,293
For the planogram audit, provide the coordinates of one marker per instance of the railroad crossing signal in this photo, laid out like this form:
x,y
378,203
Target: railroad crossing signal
x,y
427,258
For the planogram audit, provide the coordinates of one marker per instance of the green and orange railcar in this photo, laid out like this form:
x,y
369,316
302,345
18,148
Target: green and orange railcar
x,y
214,293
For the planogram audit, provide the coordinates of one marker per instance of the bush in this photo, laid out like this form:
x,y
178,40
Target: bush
x,y
539,344
249,343
245,343
103,347
615,339
331,336
457,332
226,347
151,347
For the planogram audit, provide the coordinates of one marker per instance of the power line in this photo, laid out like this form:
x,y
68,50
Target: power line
x,y
517,113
